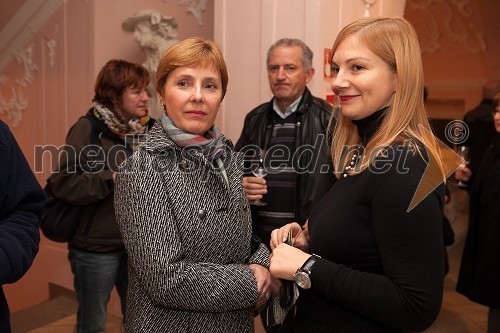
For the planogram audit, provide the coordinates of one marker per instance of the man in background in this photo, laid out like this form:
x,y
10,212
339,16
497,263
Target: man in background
x,y
480,123
292,129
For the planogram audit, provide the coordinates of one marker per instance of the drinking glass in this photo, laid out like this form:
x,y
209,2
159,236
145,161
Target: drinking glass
x,y
260,169
464,153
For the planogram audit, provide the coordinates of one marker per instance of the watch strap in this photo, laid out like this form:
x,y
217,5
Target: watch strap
x,y
306,267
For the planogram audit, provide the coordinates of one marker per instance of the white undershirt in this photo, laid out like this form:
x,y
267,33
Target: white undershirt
x,y
289,110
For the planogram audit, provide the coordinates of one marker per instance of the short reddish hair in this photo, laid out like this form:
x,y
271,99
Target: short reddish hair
x,y
191,52
116,76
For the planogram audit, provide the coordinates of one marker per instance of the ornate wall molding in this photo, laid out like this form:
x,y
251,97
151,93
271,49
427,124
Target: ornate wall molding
x,y
23,26
19,31
15,107
26,57
450,19
195,7
51,50
155,33
368,5
18,103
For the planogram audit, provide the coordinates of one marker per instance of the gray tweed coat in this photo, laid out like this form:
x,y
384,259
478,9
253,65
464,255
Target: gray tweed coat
x,y
188,239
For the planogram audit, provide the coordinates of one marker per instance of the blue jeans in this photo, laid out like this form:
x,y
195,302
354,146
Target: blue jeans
x,y
95,276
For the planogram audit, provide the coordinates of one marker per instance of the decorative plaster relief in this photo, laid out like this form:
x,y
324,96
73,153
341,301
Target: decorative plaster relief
x,y
17,32
26,56
24,25
456,26
51,46
155,33
17,104
368,5
15,107
195,7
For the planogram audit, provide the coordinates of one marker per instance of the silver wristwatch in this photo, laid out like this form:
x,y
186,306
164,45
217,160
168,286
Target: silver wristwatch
x,y
302,276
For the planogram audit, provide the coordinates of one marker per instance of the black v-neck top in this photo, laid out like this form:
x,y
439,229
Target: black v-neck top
x,y
382,266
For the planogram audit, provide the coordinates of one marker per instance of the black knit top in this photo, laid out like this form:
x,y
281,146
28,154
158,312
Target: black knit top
x,y
382,266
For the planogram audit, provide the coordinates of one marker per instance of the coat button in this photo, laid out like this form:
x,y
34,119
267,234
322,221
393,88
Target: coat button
x,y
182,165
202,213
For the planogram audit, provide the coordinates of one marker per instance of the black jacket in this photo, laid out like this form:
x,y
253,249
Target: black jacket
x,y
479,269
481,130
21,203
87,180
314,175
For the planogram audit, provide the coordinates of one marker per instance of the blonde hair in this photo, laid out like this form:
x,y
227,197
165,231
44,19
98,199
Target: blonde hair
x,y
191,52
393,40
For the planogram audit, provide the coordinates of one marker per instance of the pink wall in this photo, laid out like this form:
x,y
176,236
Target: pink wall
x,y
87,33
8,9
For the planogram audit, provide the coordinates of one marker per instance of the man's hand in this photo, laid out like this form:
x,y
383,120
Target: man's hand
x,y
463,174
254,188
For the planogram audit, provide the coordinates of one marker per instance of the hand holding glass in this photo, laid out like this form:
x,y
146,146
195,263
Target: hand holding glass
x,y
259,170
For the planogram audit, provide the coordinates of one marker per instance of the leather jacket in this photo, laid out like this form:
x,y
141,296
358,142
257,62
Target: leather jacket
x,y
314,176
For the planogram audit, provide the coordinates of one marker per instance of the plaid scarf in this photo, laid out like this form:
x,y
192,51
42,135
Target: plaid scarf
x,y
135,126
211,144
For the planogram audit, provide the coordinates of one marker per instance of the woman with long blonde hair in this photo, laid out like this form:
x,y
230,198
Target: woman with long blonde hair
x,y
373,259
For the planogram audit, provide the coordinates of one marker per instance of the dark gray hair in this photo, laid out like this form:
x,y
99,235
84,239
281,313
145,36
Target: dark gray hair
x,y
307,54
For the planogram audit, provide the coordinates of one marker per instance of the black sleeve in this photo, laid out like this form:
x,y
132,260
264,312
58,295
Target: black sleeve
x,y
22,200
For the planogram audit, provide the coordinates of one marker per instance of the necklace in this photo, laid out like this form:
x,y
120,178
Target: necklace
x,y
354,160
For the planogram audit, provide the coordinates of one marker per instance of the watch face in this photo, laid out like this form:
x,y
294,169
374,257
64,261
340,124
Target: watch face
x,y
302,279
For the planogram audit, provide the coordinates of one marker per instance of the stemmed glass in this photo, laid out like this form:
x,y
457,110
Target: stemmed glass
x,y
260,169
464,153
